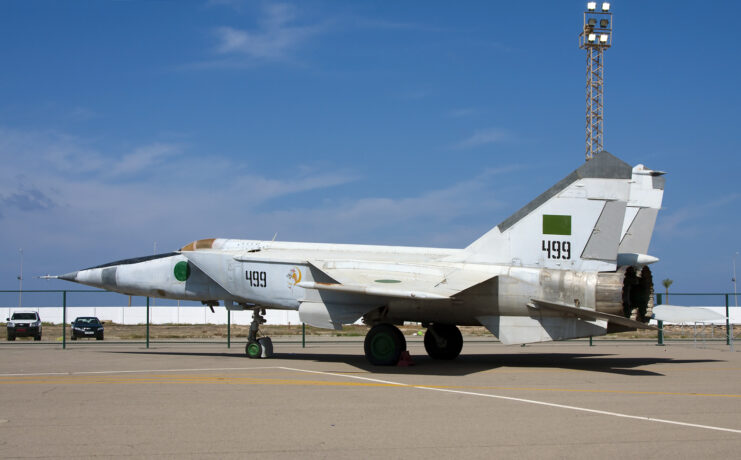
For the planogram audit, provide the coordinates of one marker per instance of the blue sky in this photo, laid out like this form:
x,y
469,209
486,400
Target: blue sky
x,y
127,123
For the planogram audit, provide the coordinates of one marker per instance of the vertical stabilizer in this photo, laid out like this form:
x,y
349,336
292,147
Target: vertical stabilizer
x,y
576,224
646,193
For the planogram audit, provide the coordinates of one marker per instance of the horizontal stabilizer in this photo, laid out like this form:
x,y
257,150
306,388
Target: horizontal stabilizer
x,y
676,314
588,314
515,330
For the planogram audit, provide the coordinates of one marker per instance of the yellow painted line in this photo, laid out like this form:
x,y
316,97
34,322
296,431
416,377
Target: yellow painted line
x,y
197,381
142,371
514,370
668,368
269,380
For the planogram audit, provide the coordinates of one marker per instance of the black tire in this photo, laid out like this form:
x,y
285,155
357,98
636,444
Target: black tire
x,y
11,338
453,342
100,337
253,349
384,344
37,338
74,337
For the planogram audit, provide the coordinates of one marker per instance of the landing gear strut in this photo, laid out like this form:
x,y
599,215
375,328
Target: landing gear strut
x,y
262,347
384,344
443,341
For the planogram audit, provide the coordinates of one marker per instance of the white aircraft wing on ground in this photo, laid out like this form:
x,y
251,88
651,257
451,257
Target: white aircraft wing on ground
x,y
679,314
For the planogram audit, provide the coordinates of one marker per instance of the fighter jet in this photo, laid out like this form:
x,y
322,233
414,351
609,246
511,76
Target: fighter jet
x,y
571,263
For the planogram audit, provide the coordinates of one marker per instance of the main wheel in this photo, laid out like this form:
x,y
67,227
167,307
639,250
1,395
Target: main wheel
x,y
384,344
253,349
74,337
443,341
37,338
100,337
11,337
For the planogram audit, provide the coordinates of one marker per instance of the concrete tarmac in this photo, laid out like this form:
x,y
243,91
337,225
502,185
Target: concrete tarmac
x,y
555,400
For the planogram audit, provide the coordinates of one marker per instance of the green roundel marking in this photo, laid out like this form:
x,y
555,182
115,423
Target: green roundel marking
x,y
388,281
182,271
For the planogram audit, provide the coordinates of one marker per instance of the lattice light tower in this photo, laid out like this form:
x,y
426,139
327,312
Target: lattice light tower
x,y
596,37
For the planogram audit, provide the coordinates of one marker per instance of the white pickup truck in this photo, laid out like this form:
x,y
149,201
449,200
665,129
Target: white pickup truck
x,y
24,324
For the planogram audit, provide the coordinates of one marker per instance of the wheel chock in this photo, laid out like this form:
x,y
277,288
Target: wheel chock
x,y
405,360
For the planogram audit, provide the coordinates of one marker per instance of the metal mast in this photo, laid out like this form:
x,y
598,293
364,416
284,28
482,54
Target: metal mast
x,y
596,37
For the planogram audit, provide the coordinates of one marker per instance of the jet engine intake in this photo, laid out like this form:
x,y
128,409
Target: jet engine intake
x,y
626,292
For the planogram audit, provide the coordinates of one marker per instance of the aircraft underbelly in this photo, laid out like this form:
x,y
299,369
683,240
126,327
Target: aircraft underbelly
x,y
513,330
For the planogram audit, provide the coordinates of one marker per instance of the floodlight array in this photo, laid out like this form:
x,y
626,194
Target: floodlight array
x,y
595,38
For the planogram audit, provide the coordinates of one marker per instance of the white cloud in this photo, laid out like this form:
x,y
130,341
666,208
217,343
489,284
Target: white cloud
x,y
691,220
106,213
430,218
276,37
484,137
44,200
144,157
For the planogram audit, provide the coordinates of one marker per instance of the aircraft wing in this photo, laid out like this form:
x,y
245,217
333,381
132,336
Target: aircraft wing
x,y
400,280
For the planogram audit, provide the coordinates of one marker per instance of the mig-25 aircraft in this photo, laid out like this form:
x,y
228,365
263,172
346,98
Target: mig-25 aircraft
x,y
571,263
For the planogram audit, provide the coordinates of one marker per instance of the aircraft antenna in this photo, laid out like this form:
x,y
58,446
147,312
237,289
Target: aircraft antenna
x,y
595,38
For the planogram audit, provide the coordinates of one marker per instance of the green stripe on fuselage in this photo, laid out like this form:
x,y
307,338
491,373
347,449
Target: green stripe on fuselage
x,y
556,225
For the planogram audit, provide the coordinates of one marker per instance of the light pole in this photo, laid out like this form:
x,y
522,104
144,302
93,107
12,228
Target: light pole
x,y
154,253
729,324
20,282
595,38
735,294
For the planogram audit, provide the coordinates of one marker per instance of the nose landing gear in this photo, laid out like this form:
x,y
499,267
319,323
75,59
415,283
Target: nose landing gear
x,y
262,347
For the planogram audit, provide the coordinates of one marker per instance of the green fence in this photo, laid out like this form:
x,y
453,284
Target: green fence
x,y
692,299
60,299
94,298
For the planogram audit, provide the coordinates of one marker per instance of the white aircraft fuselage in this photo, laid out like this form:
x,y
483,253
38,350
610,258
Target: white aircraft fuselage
x,y
572,263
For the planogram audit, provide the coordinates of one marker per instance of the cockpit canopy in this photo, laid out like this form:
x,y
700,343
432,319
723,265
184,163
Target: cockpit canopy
x,y
206,243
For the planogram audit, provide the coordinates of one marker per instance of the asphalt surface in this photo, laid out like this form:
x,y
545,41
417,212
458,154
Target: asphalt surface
x,y
206,401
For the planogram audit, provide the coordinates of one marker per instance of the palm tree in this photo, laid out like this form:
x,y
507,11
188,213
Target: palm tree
x,y
667,282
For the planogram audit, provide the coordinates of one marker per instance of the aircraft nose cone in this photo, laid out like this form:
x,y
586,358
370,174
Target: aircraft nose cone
x,y
69,276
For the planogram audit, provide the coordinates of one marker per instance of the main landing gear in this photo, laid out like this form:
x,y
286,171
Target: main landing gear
x,y
384,344
262,347
443,341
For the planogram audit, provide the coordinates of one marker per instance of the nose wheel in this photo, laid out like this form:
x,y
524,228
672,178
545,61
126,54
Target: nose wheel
x,y
258,347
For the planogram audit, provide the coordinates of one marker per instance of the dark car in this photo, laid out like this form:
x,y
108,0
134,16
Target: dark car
x,y
24,324
87,326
